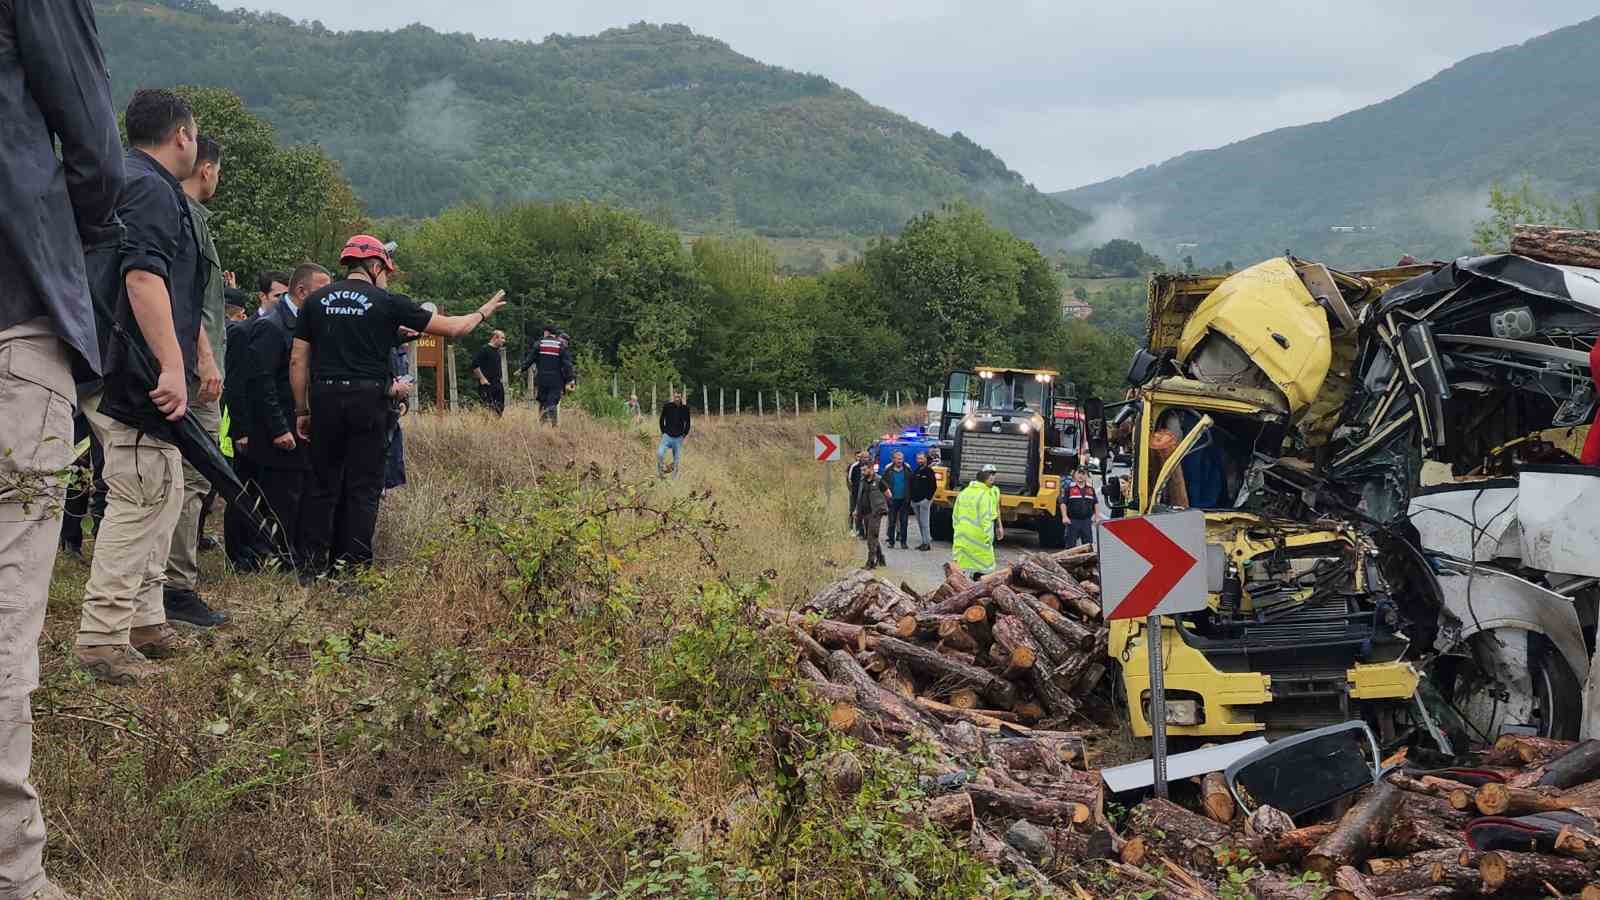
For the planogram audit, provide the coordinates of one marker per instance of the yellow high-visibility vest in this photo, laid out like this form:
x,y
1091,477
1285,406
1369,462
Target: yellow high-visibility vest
x,y
977,508
224,437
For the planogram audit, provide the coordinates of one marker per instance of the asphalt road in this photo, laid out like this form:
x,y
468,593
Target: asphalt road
x,y
925,571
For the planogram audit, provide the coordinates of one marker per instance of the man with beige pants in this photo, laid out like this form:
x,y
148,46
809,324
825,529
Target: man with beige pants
x,y
163,270
53,86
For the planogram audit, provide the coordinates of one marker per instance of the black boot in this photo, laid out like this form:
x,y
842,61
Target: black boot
x,y
184,605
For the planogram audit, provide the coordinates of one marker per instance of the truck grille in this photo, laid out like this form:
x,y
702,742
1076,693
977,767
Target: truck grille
x,y
1008,453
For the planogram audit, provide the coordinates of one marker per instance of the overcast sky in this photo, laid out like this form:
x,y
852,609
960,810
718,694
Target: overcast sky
x,y
1066,92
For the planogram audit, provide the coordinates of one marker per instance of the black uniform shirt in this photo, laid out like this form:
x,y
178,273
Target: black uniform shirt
x,y
487,361
351,325
159,238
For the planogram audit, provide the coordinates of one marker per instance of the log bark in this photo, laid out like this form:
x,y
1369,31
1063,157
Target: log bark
x,y
1576,766
953,633
1277,886
952,811
1556,245
1075,633
1423,871
921,625
976,621
1215,797
1576,845
979,590
1053,751
1526,874
963,698
836,635
950,671
1590,892
896,680
843,669
1359,832
1429,786
1057,701
1503,800
1043,573
1011,636
1415,829
1526,750
1055,650
845,599
1289,847
985,718
997,852
1023,805
1349,885
1189,838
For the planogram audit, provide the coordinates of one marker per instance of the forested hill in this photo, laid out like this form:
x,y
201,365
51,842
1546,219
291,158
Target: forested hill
x,y
652,117
1412,171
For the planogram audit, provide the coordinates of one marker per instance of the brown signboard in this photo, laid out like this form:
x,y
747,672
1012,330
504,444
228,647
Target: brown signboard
x,y
429,350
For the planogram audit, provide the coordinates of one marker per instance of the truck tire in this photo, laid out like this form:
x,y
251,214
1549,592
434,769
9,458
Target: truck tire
x,y
1052,532
939,521
1530,665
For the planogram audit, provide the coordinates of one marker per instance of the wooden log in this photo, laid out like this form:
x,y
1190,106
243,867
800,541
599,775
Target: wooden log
x,y
1527,874
1557,245
814,652
1029,710
980,589
1359,832
828,692
1349,885
1050,600
1011,636
1052,647
1461,799
976,622
1416,828
1519,750
835,635
1041,572
897,680
1590,892
986,718
1075,633
964,657
1058,702
809,671
1025,805
1579,765
951,811
1422,871
1267,821
846,599
1504,800
1218,802
843,669
949,671
989,848
1278,886
963,698
953,633
1576,845
1189,838
919,625
1053,751
1429,786
1289,847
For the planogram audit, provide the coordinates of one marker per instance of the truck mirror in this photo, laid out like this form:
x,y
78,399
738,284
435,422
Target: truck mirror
x,y
1094,414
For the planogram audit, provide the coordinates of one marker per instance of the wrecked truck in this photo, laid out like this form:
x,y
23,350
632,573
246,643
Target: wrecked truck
x,y
1397,528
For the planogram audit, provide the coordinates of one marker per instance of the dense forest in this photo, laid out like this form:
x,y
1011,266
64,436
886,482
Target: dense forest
x,y
653,118
1409,175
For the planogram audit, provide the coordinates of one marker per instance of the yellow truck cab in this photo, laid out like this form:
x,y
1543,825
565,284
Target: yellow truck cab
x,y
1024,422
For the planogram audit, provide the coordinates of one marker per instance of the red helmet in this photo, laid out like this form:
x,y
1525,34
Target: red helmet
x,y
365,246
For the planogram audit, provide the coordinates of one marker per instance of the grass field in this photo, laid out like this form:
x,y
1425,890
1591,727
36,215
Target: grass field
x,y
556,685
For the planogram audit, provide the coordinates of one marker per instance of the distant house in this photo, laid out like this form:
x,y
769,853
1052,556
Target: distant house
x,y
1077,309
1342,229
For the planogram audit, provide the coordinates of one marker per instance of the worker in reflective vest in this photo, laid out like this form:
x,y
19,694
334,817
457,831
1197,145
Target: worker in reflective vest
x,y
977,523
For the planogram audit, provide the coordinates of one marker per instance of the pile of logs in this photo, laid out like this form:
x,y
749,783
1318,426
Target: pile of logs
x,y
1559,246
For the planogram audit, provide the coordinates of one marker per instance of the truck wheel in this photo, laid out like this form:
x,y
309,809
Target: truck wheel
x,y
1517,677
1052,533
943,528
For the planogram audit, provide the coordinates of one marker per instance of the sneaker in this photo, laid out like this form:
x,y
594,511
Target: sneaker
x,y
159,641
184,605
114,663
924,547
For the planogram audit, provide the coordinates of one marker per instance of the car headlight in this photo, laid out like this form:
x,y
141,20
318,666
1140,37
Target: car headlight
x,y
1050,484
1024,427
969,424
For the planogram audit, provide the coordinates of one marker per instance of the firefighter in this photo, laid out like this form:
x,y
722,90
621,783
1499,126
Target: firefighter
x,y
552,365
339,374
977,523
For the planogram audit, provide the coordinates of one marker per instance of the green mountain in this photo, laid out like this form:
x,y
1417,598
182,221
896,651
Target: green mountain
x,y
1408,175
655,118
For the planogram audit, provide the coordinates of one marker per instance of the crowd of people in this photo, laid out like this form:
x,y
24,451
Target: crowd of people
x,y
121,328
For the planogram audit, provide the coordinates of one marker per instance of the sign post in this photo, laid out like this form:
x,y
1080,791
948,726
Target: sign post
x,y
825,447
1150,567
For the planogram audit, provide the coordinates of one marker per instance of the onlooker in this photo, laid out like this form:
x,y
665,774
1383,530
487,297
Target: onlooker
x,y
181,595
486,368
674,428
394,468
280,463
898,478
242,540
634,411
874,504
852,478
1080,509
124,620
976,519
342,377
1116,495
53,87
270,286
924,483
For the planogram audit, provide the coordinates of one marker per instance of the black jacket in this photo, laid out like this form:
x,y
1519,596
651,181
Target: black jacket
x,y
675,419
923,484
551,361
53,84
267,387
235,380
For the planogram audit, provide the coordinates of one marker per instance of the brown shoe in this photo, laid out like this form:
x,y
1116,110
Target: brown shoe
x,y
114,663
159,641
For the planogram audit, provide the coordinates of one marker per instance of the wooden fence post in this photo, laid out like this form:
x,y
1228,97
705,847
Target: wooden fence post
x,y
759,397
652,398
705,400
613,385
736,407
722,403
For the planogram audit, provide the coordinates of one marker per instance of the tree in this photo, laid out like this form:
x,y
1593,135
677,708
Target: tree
x,y
276,207
1122,256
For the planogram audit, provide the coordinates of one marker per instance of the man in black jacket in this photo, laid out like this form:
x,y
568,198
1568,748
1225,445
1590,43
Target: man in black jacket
x,y
674,428
241,540
53,87
486,365
124,620
280,463
552,365
924,482
852,480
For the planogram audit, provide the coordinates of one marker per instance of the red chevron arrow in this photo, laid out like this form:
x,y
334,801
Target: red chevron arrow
x,y
1168,564
825,447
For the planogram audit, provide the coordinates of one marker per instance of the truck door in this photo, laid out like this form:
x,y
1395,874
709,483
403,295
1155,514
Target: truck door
x,y
960,388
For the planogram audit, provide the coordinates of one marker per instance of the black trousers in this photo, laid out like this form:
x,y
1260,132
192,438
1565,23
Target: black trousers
x,y
246,547
1080,531
899,520
283,490
349,442
549,402
493,396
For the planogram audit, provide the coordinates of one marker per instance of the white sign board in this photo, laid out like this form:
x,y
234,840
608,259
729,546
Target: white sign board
x,y
1152,565
825,447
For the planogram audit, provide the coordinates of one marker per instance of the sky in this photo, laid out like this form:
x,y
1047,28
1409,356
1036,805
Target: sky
x,y
1067,93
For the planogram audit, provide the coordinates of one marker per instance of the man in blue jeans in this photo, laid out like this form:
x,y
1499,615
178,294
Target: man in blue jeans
x,y
898,479
674,428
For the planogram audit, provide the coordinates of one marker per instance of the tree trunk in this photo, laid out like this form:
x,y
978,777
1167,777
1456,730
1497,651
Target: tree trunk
x,y
1012,636
1526,874
1053,752
1071,630
1024,805
1289,847
1054,648
1057,701
1422,871
921,625
1499,800
1359,831
1216,798
1559,246
950,671
1576,766
1044,574
1416,828
1169,828
985,718
871,696
1431,786
952,811
1525,750
958,601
